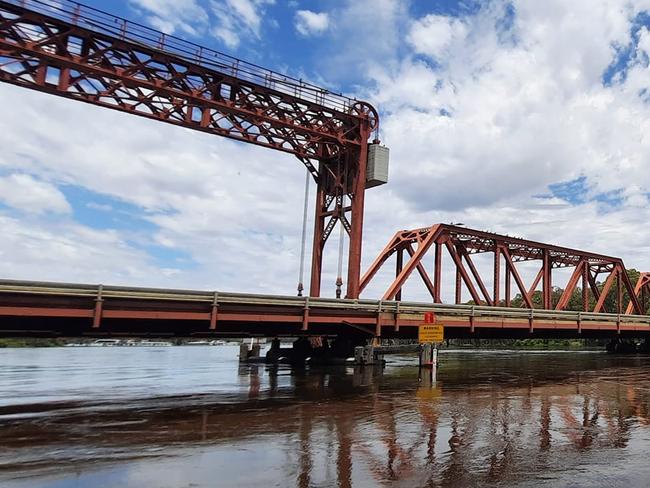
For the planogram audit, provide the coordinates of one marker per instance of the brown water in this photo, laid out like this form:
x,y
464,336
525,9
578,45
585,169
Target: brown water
x,y
191,417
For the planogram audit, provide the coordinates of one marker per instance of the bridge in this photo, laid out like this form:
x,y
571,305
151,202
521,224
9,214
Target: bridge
x,y
71,310
70,50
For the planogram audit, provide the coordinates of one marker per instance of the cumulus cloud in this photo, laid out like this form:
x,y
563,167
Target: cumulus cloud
x,y
498,107
65,251
227,205
310,23
432,34
483,113
23,192
228,20
237,18
496,121
172,16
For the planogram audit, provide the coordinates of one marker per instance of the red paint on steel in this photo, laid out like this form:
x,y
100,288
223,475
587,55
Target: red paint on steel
x,y
47,309
640,289
97,315
462,243
74,51
46,312
214,314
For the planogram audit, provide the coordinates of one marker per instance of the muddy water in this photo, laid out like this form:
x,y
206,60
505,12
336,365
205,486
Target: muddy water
x,y
191,417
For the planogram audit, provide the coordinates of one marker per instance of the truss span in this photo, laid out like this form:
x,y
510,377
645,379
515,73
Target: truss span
x,y
598,274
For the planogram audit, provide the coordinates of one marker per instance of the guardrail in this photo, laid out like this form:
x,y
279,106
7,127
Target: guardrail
x,y
117,27
362,305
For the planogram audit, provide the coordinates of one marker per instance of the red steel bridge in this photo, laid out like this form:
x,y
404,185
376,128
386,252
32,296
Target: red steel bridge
x,y
77,52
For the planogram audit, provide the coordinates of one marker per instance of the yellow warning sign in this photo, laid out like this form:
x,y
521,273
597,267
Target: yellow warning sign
x,y
431,333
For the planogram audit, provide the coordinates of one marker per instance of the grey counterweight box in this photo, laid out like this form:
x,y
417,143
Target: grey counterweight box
x,y
377,170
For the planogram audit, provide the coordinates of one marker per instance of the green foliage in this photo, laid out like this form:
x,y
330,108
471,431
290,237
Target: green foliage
x,y
529,344
575,301
21,342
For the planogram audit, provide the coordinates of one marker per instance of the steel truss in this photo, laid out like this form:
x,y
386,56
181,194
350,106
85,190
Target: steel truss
x,y
461,243
641,291
74,51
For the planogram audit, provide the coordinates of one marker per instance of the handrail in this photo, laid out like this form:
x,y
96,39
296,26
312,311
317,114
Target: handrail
x,y
370,306
111,25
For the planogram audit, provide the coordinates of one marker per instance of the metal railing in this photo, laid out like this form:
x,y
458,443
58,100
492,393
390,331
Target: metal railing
x,y
117,27
370,306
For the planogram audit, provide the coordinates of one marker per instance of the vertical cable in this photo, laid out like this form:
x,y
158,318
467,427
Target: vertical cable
x,y
339,276
301,273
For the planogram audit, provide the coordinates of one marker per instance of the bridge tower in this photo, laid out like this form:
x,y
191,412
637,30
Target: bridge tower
x,y
71,50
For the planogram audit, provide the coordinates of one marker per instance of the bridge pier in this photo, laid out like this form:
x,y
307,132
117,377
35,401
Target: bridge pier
x,y
428,361
314,351
243,352
644,347
367,355
625,346
249,354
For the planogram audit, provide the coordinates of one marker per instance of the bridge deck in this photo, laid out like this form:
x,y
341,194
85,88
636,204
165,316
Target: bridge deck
x,y
45,309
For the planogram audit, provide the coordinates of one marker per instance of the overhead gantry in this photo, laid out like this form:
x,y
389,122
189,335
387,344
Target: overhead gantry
x,y
68,49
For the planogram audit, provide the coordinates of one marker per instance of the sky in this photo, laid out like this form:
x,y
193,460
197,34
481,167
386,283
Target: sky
x,y
526,118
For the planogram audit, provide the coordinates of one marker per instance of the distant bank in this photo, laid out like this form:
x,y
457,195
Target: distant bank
x,y
523,344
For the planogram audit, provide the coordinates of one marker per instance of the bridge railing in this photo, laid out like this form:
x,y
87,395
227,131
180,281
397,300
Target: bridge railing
x,y
102,22
364,305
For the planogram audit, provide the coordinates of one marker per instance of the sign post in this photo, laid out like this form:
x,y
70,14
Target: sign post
x,y
429,336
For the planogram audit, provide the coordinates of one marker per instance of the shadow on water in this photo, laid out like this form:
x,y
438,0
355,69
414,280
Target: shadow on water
x,y
504,419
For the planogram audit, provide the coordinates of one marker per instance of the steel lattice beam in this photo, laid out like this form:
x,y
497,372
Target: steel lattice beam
x,y
462,243
641,290
71,50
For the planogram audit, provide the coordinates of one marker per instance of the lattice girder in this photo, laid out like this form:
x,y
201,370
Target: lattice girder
x,y
461,244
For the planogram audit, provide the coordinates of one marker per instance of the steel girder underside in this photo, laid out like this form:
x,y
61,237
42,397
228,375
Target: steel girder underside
x,y
71,50
461,244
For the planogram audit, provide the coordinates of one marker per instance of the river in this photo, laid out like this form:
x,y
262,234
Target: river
x,y
181,417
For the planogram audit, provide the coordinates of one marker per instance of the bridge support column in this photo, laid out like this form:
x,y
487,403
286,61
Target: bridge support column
x,y
243,352
429,361
249,354
367,356
621,346
364,355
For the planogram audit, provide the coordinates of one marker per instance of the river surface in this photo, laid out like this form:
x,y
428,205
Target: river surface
x,y
177,417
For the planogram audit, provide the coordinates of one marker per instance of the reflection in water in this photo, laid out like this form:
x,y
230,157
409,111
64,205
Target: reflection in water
x,y
504,419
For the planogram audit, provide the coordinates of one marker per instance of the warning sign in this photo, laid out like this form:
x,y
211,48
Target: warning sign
x,y
431,333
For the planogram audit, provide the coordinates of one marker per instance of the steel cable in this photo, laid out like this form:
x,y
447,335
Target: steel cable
x,y
303,241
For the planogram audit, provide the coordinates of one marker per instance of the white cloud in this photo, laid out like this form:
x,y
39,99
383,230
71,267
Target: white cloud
x,y
23,192
229,205
310,23
362,34
432,34
495,116
480,118
237,18
64,251
170,16
99,206
522,116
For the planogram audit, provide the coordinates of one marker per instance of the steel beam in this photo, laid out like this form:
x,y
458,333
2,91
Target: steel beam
x,y
462,243
81,53
51,309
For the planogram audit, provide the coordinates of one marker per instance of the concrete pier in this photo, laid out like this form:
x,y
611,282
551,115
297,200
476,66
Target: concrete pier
x,y
429,359
368,355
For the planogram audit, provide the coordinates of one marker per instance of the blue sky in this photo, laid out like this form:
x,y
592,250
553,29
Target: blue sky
x,y
511,116
278,41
